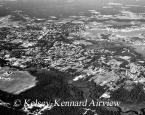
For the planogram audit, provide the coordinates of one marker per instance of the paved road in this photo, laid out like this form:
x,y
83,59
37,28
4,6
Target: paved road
x,y
40,37
4,18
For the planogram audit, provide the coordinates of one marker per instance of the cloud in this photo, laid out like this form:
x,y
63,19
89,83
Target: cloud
x,y
114,4
10,0
105,7
133,5
70,1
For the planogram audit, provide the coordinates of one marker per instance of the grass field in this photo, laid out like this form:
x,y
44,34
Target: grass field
x,y
19,82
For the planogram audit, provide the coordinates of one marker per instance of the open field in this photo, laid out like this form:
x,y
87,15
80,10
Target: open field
x,y
19,81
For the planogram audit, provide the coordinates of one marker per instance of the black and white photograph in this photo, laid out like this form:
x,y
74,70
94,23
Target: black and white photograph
x,y
72,57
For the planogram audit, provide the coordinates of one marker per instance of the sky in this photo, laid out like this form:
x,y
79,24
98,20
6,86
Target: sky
x,y
66,7
81,1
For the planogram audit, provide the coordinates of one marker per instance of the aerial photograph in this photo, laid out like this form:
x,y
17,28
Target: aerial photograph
x,y
72,57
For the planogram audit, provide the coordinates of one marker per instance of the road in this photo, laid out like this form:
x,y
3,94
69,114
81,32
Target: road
x,y
45,33
4,18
